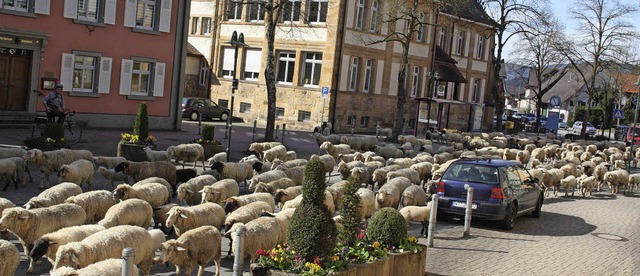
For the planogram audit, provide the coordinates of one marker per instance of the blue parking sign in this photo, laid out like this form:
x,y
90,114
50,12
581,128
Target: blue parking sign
x,y
325,92
618,114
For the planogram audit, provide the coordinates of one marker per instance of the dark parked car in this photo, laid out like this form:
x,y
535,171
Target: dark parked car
x,y
193,108
503,190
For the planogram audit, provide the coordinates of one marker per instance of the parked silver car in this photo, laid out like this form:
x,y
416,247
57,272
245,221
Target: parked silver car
x,y
577,128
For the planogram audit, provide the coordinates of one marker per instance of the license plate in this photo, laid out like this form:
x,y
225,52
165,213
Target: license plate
x,y
464,205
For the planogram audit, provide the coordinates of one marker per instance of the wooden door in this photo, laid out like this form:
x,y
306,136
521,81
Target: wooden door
x,y
14,81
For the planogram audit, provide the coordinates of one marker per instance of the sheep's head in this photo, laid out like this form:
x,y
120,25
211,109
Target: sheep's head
x,y
173,215
280,195
262,187
209,194
102,170
121,192
230,205
11,216
122,167
344,139
257,166
407,199
34,203
184,192
63,171
326,145
218,166
35,155
172,250
40,248
381,197
66,256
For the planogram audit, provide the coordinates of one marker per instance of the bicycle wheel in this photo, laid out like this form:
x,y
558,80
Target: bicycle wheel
x,y
72,134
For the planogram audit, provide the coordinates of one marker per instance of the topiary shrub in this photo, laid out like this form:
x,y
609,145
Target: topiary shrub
x,y
387,226
208,132
141,125
312,231
348,231
53,131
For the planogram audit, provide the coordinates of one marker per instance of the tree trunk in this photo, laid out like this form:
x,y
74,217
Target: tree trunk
x,y
269,71
538,111
402,93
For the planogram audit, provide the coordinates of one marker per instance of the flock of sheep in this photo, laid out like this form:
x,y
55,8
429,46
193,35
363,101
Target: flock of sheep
x,y
84,232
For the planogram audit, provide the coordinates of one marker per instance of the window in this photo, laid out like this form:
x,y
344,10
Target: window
x,y
15,5
364,121
373,27
279,113
415,81
206,26
351,120
291,11
252,61
145,14
412,123
88,10
203,76
480,47
460,48
194,25
594,103
360,14
420,34
368,72
286,66
304,116
353,76
256,11
245,107
570,103
84,73
141,78
475,91
312,68
234,10
228,56
223,103
443,37
318,11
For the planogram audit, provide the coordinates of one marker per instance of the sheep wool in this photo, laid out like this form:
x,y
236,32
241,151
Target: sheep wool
x,y
155,194
281,196
190,192
266,177
236,202
278,151
413,195
193,152
219,191
239,172
48,244
367,203
109,162
50,161
142,170
128,212
417,213
263,232
112,176
246,213
197,246
108,267
95,204
184,219
8,171
54,195
275,185
9,258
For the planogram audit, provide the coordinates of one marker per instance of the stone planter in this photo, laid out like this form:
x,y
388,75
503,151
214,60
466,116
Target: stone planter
x,y
408,263
211,150
132,152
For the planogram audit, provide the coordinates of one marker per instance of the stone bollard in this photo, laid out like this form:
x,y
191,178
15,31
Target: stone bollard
x,y
128,255
238,260
277,130
432,220
468,211
284,128
253,137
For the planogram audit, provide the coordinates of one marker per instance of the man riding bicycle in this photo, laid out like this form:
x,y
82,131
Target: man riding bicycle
x,y
54,104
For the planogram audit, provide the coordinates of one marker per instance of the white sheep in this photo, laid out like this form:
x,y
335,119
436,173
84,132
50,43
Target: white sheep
x,y
108,267
569,183
418,213
95,204
30,225
48,244
143,170
290,156
79,172
240,172
23,174
278,151
54,195
354,143
380,175
9,258
5,204
551,179
523,157
388,152
275,185
367,203
184,219
334,139
634,182
383,132
129,212
190,192
262,233
402,162
50,161
586,185
235,202
413,195
409,173
277,163
296,174
368,143
328,161
11,152
156,155
193,152
219,191
345,168
408,139
335,150
160,215
266,177
328,201
109,244
281,196
109,162
423,169
197,246
218,157
259,148
112,176
246,213
389,194
615,179
156,194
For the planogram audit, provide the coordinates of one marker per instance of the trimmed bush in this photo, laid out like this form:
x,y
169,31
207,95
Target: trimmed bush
x,y
54,131
387,226
348,232
208,132
312,231
141,125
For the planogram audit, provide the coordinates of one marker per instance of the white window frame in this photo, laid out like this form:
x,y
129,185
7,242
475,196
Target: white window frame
x,y
140,73
443,37
251,70
368,75
259,16
315,60
475,89
415,81
359,14
364,121
373,26
480,49
93,69
84,16
205,28
245,107
228,55
287,57
236,5
294,12
195,22
15,8
460,48
304,119
320,17
203,76
101,82
146,3
161,13
279,112
420,34
353,74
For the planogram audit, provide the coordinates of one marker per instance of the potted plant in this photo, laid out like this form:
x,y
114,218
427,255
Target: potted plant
x,y
52,138
131,145
211,146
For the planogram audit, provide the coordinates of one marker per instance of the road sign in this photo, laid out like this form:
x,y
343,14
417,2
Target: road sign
x,y
618,114
555,101
325,92
441,89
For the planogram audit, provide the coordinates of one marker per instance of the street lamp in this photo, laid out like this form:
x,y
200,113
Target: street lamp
x,y
237,42
433,75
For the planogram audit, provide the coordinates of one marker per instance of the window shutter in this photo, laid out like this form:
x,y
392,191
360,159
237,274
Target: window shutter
x,y
158,81
66,71
130,13
253,60
42,6
227,59
126,69
104,83
110,12
165,16
70,9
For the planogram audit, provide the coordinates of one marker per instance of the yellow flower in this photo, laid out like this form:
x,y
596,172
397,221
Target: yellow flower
x,y
293,252
335,258
376,244
412,239
313,267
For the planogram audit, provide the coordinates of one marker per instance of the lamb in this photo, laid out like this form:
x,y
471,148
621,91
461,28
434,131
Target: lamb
x,y
571,169
345,168
109,162
184,219
129,212
239,172
354,143
263,232
408,139
367,203
259,148
413,195
190,192
266,177
218,157
108,267
383,132
54,195
142,170
418,213
193,152
9,258
236,202
160,215
328,161
79,171
30,225
586,185
567,183
246,213
198,246
409,173
389,194
48,244
388,152
281,196
112,176
335,150
109,244
551,179
275,185
380,175
523,157
615,179
156,155
155,194
279,151
599,172
219,191
50,161
9,171
510,154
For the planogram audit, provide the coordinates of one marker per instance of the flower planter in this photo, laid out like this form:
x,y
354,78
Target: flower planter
x,y
211,150
132,152
409,263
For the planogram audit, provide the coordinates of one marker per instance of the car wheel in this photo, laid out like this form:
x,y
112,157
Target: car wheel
x,y
194,116
224,117
538,211
509,220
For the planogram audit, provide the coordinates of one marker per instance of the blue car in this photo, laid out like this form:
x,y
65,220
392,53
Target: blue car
x,y
503,190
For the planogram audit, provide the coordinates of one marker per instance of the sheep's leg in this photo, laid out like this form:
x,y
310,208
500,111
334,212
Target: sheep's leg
x,y
229,252
425,225
218,262
200,270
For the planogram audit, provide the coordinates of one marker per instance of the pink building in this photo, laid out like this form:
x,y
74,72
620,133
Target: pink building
x,y
110,55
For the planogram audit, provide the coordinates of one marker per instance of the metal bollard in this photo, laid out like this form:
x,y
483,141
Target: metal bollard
x,y
253,138
432,220
238,260
128,254
277,130
284,127
200,125
468,210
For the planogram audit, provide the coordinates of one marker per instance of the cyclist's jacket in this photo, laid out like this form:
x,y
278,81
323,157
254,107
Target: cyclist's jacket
x,y
53,100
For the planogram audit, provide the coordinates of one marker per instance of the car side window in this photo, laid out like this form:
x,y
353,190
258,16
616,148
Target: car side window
x,y
210,103
198,103
513,175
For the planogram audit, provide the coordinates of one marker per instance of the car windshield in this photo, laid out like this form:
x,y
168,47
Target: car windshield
x,y
469,172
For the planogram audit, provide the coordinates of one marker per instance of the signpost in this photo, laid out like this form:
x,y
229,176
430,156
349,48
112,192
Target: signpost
x,y
618,114
324,95
555,101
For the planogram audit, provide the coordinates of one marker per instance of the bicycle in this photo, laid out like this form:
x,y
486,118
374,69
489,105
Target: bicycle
x,y
72,132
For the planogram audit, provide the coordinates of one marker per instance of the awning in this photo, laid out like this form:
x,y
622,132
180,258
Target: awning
x,y
446,67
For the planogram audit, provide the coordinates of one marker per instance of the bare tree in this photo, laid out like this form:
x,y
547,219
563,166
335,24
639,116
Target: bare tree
x,y
273,9
603,35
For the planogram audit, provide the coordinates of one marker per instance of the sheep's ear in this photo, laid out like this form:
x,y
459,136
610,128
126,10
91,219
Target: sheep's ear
x,y
52,243
74,259
183,216
188,191
180,248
